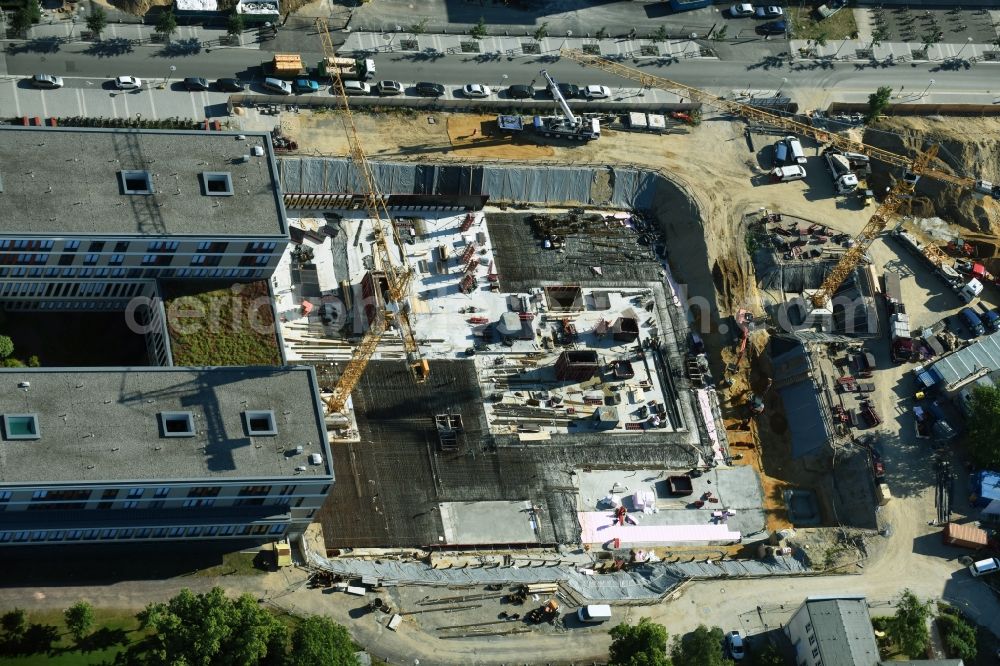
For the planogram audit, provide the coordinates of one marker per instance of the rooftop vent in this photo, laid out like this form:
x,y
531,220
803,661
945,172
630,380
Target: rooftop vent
x,y
136,182
21,426
259,423
216,184
177,424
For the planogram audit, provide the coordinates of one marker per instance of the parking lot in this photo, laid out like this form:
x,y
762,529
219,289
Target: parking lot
x,y
98,99
903,24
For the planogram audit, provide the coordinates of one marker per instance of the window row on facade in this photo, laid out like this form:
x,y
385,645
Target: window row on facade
x,y
122,533
132,273
135,497
124,247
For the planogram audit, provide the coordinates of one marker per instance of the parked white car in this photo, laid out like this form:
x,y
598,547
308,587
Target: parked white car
x,y
741,9
476,90
734,642
128,83
597,92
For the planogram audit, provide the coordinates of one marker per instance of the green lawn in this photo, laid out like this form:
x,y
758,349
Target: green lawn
x,y
114,630
238,564
229,326
806,26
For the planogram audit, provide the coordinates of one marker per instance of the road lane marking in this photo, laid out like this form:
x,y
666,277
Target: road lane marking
x,y
17,102
45,108
114,107
81,101
125,102
152,106
194,107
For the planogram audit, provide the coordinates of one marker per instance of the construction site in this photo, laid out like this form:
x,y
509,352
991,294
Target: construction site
x,y
661,360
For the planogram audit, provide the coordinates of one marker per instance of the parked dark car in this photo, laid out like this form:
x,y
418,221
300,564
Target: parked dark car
x,y
428,89
772,28
521,92
568,90
194,83
229,85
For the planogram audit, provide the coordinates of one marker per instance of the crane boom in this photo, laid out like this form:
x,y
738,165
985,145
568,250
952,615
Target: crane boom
x,y
558,96
919,166
397,277
840,141
878,222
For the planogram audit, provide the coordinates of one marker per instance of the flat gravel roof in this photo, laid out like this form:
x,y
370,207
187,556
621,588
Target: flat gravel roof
x,y
107,424
68,181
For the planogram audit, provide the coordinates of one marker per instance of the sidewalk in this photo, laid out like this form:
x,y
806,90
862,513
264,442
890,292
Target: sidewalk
x,y
428,45
186,35
855,50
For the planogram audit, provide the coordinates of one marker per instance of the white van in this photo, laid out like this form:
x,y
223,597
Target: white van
x,y
795,148
594,613
787,173
982,567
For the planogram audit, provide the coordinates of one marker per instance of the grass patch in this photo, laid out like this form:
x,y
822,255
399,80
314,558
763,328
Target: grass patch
x,y
233,325
806,26
237,564
113,631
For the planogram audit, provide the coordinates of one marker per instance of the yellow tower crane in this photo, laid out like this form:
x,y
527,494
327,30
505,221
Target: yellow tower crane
x,y
394,304
919,166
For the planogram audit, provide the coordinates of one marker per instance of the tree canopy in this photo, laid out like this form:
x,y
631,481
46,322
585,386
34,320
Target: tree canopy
x,y
318,641
166,24
209,629
984,426
959,634
97,21
79,619
701,647
878,102
908,627
643,644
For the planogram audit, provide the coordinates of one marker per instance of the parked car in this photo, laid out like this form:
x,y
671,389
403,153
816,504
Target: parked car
x,y
277,86
597,92
46,81
389,87
357,88
734,644
983,567
568,90
772,28
229,85
741,9
128,83
768,12
519,91
476,90
305,86
428,89
194,83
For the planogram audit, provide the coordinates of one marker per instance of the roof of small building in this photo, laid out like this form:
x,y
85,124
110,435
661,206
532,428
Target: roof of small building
x,y
843,631
106,424
68,181
983,355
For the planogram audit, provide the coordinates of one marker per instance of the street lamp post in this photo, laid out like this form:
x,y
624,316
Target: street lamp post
x,y
968,41
929,84
170,71
778,91
501,82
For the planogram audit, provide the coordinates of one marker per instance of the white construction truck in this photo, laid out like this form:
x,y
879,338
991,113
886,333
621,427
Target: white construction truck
x,y
568,125
844,169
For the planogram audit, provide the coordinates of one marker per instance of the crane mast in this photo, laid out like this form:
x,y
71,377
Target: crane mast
x,y
558,96
397,278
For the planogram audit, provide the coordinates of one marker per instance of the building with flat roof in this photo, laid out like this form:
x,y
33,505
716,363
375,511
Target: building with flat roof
x,y
132,204
92,455
833,631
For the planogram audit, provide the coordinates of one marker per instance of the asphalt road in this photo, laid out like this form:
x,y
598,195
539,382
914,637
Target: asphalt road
x,y
721,76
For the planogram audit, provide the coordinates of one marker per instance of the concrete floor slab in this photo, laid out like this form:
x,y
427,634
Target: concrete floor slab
x,y
737,489
473,523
